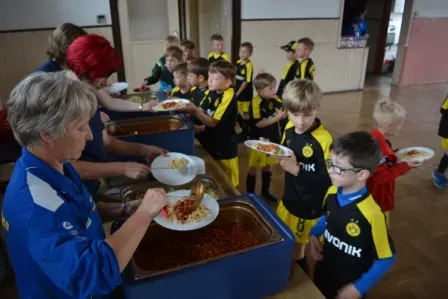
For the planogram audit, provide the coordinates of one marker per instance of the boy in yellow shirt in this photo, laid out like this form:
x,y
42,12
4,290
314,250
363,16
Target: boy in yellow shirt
x,y
183,88
266,113
306,68
217,49
243,85
188,48
198,79
306,175
220,118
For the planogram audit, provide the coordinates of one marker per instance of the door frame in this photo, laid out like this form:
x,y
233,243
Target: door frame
x,y
380,49
116,33
236,29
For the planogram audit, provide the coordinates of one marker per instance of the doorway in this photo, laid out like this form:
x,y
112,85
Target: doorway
x,y
388,22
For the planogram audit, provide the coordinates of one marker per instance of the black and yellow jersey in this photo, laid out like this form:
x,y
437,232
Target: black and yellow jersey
x,y
443,126
244,73
212,57
355,236
304,194
223,108
306,69
199,97
178,93
262,108
288,75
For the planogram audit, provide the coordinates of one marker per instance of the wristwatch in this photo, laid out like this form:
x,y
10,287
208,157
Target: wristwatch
x,y
141,107
123,212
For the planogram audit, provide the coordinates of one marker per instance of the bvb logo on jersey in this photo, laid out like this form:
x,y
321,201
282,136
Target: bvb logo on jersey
x,y
353,229
307,151
243,72
271,106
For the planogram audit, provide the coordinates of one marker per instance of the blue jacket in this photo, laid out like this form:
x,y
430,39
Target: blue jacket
x,y
54,234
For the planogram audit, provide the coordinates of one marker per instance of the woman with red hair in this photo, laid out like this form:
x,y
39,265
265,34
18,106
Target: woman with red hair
x,y
92,59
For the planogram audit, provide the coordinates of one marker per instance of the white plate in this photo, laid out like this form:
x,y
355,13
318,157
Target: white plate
x,y
116,87
199,163
251,144
418,148
158,107
209,202
173,177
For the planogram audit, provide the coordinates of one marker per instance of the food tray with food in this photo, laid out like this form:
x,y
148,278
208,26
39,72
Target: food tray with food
x,y
246,240
171,104
268,148
137,191
159,131
151,125
238,228
142,98
415,154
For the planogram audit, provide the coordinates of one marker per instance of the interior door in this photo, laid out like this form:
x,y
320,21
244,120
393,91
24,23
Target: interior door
x,y
144,25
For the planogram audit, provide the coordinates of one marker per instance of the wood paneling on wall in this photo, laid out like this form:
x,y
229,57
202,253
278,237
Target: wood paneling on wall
x,y
21,53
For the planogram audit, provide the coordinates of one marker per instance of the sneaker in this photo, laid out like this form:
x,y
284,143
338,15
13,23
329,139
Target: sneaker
x,y
439,180
269,198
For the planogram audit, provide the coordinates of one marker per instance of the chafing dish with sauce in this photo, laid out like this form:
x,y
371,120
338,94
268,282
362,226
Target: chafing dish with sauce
x,y
245,253
174,133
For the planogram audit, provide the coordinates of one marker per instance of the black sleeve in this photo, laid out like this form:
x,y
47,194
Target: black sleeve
x,y
156,73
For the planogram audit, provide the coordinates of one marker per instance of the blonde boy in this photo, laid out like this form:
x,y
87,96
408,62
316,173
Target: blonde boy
x,y
188,47
217,49
265,111
306,68
159,67
306,174
389,117
220,118
183,88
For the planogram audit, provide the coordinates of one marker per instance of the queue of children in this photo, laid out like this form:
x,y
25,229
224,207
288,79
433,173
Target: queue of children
x,y
340,191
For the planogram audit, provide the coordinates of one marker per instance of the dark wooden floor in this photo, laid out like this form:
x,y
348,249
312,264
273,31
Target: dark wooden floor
x,y
419,224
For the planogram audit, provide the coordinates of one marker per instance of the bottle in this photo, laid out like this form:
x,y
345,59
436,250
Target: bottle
x,y
357,38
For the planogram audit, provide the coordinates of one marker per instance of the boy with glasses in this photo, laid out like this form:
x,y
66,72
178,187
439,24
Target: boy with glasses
x,y
357,250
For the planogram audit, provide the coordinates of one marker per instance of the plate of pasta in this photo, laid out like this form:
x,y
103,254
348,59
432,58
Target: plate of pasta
x,y
269,148
171,104
415,154
175,169
179,214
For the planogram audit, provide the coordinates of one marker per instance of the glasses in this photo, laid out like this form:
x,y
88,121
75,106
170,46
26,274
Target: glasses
x,y
339,170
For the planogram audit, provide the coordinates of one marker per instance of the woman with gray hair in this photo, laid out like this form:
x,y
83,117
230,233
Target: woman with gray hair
x,y
53,229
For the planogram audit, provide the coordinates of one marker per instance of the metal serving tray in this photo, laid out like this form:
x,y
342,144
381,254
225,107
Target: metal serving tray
x,y
161,251
146,126
138,190
145,96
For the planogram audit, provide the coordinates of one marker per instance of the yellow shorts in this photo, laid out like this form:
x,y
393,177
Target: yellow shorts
x,y
444,143
300,227
231,169
243,107
257,159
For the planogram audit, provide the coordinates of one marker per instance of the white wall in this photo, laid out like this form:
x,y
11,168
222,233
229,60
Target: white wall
x,y
430,8
289,9
29,14
396,20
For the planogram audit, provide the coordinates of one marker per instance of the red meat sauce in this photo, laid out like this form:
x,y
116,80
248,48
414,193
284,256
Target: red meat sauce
x,y
169,249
